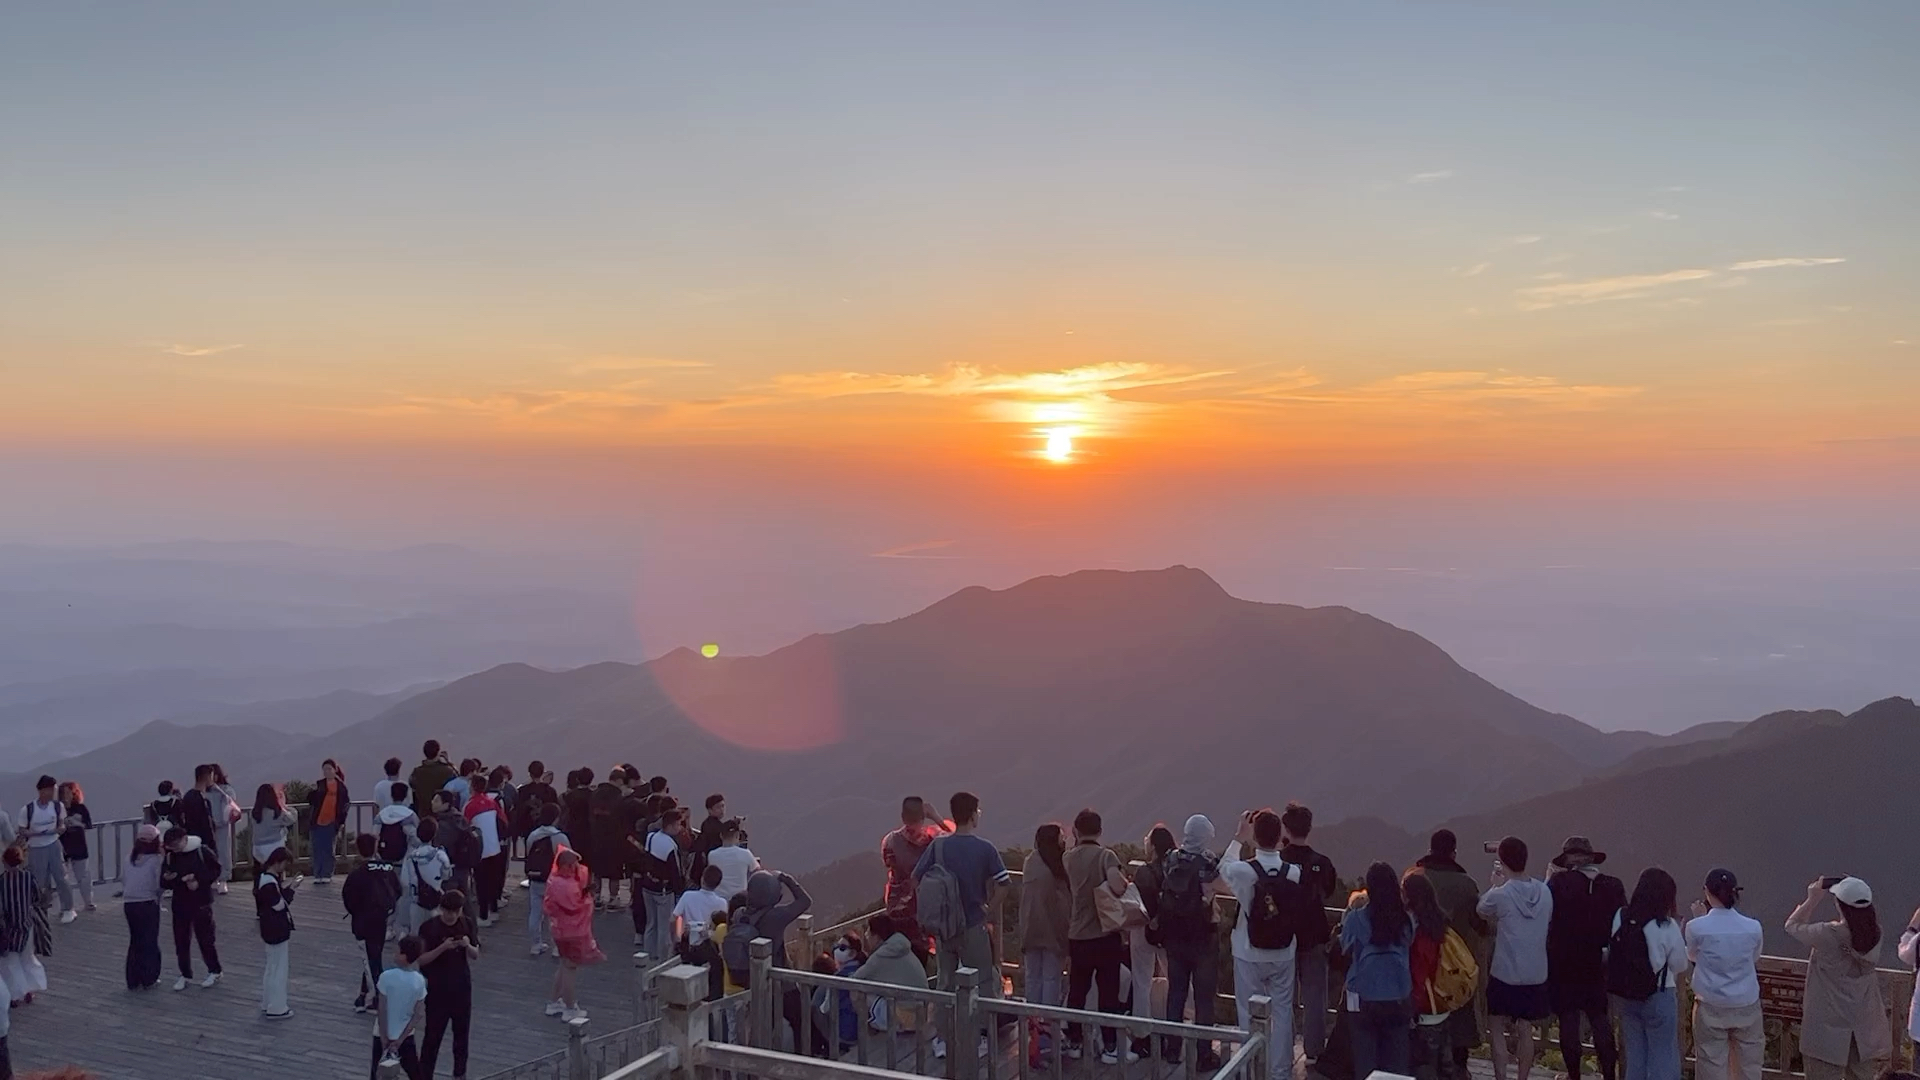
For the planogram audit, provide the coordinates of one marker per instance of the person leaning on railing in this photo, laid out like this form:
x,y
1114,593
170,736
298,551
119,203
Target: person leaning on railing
x,y
1843,1027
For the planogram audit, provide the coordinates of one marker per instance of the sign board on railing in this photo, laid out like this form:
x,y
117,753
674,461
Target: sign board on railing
x,y
1782,994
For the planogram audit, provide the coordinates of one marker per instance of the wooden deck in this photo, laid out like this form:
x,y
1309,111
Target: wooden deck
x,y
87,1016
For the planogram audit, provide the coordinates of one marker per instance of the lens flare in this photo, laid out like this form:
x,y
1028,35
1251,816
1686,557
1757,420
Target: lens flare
x,y
709,650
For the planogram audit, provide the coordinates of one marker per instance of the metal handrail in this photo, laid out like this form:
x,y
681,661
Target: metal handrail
x,y
361,818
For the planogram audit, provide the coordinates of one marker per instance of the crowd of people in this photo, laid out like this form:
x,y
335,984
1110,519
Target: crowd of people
x,y
1414,962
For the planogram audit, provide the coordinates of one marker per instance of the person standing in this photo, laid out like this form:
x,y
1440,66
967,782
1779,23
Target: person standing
x,y
1189,933
1146,956
542,843
189,871
329,802
569,904
370,894
429,777
900,852
1521,908
1095,951
976,867
163,812
272,902
401,991
461,842
1377,939
196,807
42,822
1843,1027
450,945
270,822
227,815
662,879
1045,906
384,794
426,871
1320,879
694,918
1647,932
1459,897
20,969
736,863
483,815
1585,903
140,900
1431,1049
1729,1033
1272,901
73,841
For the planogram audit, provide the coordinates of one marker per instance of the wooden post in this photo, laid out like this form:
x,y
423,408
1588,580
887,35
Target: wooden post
x,y
683,1025
804,925
1261,1023
577,1049
963,1046
760,1005
643,1007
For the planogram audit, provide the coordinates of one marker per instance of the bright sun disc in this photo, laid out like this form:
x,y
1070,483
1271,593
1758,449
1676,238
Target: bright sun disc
x,y
1059,445
709,650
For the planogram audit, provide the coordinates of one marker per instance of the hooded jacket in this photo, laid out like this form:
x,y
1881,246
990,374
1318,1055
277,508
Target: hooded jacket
x,y
539,874
894,963
424,863
568,904
193,862
402,815
369,895
1522,911
768,916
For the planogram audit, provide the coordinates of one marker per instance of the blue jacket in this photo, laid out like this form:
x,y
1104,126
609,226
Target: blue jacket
x,y
1377,972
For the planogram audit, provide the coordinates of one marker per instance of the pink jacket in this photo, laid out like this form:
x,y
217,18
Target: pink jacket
x,y
568,904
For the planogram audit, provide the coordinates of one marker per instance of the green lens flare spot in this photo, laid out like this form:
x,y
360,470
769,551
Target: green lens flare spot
x,y
709,650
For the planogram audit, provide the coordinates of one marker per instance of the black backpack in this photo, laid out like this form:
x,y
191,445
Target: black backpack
x,y
425,895
1185,911
393,842
1274,915
1630,971
462,845
735,951
540,859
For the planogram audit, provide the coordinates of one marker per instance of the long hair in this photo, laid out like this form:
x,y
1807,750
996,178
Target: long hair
x,y
1386,911
265,801
220,774
1656,898
1428,920
72,787
1862,925
1160,841
146,847
1049,842
339,773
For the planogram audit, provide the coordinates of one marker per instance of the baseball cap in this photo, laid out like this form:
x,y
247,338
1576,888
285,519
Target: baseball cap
x,y
1852,892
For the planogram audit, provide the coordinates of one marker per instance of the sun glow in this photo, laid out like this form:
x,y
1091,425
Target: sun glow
x,y
1059,448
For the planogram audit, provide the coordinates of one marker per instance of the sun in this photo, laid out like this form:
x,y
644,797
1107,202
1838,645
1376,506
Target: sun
x,y
1059,448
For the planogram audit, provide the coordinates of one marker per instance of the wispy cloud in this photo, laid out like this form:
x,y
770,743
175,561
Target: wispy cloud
x,y
1663,215
197,350
1473,271
1775,264
968,380
1594,290
1525,238
1432,177
596,364
1462,392
920,550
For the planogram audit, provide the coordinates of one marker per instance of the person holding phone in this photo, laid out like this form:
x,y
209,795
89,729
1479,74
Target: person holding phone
x,y
1729,1034
397,1000
1843,1028
272,897
450,944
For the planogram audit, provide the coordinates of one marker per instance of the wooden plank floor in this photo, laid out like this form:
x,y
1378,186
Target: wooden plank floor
x,y
88,1017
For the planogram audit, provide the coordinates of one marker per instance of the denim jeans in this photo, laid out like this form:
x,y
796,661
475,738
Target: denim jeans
x,y
539,931
49,867
1381,1032
322,837
1046,979
1650,1036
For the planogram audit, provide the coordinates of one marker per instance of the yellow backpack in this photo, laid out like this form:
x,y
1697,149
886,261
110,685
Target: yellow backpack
x,y
1456,977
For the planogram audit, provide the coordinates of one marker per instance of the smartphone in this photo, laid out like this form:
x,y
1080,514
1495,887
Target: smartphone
x,y
1491,847
1831,880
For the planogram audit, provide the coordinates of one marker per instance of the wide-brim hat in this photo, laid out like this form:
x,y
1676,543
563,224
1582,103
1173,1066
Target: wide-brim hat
x,y
1578,845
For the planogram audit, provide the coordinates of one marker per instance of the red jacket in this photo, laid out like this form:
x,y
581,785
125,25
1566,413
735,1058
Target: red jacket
x,y
1424,959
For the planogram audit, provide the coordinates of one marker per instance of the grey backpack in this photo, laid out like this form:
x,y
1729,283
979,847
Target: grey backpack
x,y
941,910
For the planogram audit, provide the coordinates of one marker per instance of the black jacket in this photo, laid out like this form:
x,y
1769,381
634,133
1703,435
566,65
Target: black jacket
x,y
1320,878
196,815
273,903
73,842
369,895
197,863
1582,924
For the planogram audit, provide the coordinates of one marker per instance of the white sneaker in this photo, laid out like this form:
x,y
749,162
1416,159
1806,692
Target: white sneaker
x,y
574,1014
68,916
213,977
556,1007
939,1048
180,983
538,948
1073,1052
288,1015
1113,1057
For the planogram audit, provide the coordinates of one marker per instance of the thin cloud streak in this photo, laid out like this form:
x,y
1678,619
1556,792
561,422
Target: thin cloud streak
x,y
1433,177
1595,290
197,350
1774,264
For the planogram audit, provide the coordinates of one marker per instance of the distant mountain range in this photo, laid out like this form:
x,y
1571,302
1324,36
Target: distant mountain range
x,y
1147,694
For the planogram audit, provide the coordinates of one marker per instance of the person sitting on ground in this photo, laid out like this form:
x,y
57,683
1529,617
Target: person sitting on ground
x,y
1521,908
1843,1027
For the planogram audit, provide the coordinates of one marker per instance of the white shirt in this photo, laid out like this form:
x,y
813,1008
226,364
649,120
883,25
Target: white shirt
x,y
1240,877
400,992
1910,952
383,792
698,908
736,864
1724,946
488,822
42,824
1666,948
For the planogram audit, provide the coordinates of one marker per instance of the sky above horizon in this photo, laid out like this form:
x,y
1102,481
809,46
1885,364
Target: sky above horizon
x,y
904,272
